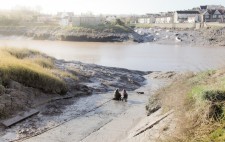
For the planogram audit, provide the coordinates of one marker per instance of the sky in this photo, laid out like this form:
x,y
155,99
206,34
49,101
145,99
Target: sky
x,y
108,6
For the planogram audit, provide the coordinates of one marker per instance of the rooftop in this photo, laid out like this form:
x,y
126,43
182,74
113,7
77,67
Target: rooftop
x,y
188,12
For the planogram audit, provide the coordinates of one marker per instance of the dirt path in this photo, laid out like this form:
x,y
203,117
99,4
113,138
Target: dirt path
x,y
112,121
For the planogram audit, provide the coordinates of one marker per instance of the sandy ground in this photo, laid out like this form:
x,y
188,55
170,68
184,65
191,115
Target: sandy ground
x,y
113,121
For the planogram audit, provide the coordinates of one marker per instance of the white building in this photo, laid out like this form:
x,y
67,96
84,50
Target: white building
x,y
186,16
83,20
164,19
149,19
144,20
191,19
65,18
110,18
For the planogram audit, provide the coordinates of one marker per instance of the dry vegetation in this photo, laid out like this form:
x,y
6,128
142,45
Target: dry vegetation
x,y
29,68
199,103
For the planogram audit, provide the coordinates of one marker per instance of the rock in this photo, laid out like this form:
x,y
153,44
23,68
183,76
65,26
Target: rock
x,y
140,92
153,109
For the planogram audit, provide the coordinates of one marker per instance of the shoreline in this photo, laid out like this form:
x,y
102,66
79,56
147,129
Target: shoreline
x,y
211,37
81,107
115,33
94,79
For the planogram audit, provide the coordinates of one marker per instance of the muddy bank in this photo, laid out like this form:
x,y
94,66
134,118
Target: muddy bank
x,y
90,78
66,34
56,109
103,79
210,37
82,34
94,117
201,37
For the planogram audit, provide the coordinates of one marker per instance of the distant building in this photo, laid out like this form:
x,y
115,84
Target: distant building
x,y
214,15
147,19
144,20
191,19
212,7
65,18
110,18
186,16
164,19
86,20
132,20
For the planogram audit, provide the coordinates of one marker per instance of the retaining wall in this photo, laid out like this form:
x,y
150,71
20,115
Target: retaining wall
x,y
189,25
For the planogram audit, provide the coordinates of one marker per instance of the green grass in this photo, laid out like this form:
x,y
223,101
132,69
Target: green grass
x,y
199,103
217,136
22,66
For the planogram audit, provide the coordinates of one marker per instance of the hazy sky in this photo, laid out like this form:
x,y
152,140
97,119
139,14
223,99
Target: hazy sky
x,y
109,6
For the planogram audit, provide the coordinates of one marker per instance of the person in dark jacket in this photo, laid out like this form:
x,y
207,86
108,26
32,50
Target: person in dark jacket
x,y
124,95
117,95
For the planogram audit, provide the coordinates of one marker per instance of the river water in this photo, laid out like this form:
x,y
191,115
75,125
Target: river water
x,y
144,56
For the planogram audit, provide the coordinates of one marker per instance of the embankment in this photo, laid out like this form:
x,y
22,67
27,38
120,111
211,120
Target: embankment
x,y
198,104
211,37
93,34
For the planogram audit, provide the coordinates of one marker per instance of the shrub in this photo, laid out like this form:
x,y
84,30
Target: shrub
x,y
214,95
199,104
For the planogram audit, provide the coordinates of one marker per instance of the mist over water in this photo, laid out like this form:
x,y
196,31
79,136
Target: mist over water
x,y
145,56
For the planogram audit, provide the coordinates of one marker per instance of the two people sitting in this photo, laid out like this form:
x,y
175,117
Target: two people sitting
x,y
119,97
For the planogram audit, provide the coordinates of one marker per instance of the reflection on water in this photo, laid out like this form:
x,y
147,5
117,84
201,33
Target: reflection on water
x,y
146,56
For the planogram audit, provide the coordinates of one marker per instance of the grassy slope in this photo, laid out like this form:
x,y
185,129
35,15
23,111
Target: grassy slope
x,y
29,68
199,101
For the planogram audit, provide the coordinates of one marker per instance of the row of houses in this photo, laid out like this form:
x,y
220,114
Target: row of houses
x,y
208,13
214,15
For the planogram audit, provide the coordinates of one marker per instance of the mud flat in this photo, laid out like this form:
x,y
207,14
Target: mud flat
x,y
210,37
57,110
107,120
